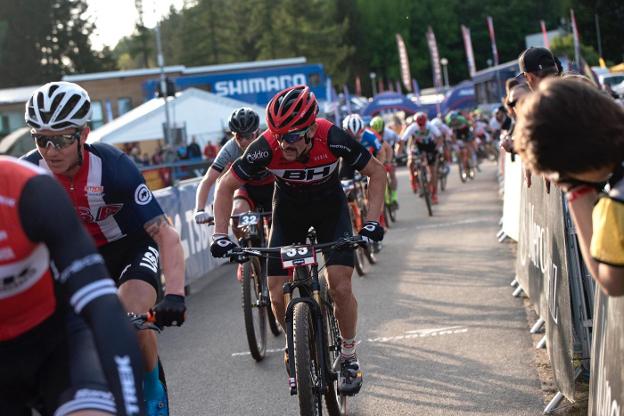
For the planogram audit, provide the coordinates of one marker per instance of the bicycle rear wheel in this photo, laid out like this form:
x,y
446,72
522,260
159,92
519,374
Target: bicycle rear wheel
x,y
462,173
306,365
254,311
424,186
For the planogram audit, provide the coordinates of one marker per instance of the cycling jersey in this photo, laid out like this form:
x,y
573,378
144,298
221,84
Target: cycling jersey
x,y
228,154
390,136
38,228
371,142
108,192
424,139
315,173
608,226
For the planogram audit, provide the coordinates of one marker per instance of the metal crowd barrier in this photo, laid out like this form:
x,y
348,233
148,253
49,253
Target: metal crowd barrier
x,y
584,329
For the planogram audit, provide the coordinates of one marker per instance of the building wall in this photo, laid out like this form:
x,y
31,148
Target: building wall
x,y
11,117
107,95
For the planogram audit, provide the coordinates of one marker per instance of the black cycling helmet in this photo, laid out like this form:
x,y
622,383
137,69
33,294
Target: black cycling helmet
x,y
244,121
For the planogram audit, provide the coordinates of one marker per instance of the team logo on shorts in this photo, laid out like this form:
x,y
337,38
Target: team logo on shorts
x,y
142,195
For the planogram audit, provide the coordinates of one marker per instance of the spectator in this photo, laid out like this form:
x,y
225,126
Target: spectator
x,y
607,88
580,147
145,161
516,95
193,150
181,152
537,64
210,150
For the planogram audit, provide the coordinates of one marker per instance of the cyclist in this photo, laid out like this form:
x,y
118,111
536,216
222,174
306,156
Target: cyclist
x,y
423,138
388,139
464,137
257,194
118,210
447,135
66,347
356,128
302,151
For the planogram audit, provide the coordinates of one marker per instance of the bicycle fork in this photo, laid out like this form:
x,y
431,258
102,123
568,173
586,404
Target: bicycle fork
x,y
320,342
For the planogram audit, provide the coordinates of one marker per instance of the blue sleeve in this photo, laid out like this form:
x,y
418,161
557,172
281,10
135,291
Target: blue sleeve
x,y
131,184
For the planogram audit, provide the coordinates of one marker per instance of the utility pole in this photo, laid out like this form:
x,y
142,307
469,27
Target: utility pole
x,y
163,84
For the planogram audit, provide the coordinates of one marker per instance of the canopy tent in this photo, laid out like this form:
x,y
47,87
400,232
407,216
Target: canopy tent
x,y
462,96
204,115
390,101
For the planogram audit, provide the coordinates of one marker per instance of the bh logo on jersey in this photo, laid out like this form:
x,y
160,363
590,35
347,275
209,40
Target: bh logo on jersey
x,y
305,175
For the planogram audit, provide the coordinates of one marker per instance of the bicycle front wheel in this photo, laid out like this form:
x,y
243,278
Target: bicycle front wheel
x,y
424,186
254,311
307,369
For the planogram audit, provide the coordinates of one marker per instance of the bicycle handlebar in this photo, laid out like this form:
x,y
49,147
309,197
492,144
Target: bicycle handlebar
x,y
242,254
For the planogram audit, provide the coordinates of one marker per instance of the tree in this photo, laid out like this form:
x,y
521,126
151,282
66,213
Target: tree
x,y
44,39
564,46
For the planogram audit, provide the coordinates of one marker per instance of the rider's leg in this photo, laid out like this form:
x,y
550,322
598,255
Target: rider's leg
x,y
393,184
345,304
412,174
276,283
433,174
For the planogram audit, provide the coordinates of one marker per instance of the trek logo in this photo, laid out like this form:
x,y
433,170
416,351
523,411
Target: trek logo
x,y
256,85
103,213
306,175
258,154
128,384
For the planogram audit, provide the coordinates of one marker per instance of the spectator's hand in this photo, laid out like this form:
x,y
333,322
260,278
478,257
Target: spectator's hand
x,y
221,246
507,145
170,311
372,232
202,217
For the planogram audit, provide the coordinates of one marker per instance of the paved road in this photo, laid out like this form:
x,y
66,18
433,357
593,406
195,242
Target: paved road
x,y
440,333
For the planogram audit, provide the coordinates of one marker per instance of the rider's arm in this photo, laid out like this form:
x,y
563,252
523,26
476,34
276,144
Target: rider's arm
x,y
171,253
343,145
85,285
226,156
249,165
151,215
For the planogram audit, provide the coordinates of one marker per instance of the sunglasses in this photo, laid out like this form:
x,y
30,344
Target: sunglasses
x,y
293,137
248,136
512,104
58,142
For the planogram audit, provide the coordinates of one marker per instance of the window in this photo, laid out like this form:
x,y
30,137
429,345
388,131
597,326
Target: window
x,y
97,116
4,124
124,105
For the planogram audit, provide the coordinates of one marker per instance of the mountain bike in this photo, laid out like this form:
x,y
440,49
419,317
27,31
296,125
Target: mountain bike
x,y
421,171
390,208
312,330
355,213
359,195
254,290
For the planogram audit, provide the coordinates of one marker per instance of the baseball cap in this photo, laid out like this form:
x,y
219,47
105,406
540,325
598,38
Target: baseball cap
x,y
536,59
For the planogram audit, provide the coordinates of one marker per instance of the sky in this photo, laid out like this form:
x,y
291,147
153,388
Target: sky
x,y
116,18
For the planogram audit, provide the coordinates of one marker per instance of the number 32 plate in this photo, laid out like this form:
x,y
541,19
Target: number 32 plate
x,y
293,256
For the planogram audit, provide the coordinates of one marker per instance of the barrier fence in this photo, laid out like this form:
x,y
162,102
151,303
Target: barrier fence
x,y
549,269
178,202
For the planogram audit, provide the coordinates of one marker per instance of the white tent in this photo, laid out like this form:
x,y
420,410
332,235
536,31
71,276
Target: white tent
x,y
204,114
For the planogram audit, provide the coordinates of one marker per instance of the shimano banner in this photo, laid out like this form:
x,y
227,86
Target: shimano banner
x,y
606,390
178,203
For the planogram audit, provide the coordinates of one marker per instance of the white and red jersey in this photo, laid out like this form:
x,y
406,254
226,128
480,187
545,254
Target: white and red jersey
x,y
108,192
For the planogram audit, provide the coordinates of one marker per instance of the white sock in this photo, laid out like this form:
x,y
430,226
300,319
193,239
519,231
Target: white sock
x,y
348,348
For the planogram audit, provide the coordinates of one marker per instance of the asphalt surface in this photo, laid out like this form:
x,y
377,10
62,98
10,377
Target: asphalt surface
x,y
440,332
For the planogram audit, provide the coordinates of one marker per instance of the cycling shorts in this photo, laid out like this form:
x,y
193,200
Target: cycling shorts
x,y
53,367
292,217
259,197
134,257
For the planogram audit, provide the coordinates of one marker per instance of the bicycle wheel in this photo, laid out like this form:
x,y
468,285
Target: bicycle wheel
x,y
424,186
462,173
306,365
442,174
336,403
253,311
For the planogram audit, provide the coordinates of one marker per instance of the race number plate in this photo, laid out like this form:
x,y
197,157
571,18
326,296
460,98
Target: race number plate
x,y
294,256
249,218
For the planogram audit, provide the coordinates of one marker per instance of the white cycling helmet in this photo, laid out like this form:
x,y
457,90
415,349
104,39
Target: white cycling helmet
x,y
57,106
353,124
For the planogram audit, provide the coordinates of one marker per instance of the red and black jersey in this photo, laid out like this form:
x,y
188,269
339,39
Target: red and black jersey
x,y
319,170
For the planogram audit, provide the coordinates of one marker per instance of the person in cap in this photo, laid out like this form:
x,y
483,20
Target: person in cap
x,y
537,64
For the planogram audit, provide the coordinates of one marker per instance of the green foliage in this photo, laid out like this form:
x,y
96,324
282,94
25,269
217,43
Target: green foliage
x,y
564,46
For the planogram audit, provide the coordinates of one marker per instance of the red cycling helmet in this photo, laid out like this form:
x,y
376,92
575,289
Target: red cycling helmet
x,y
421,119
292,109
